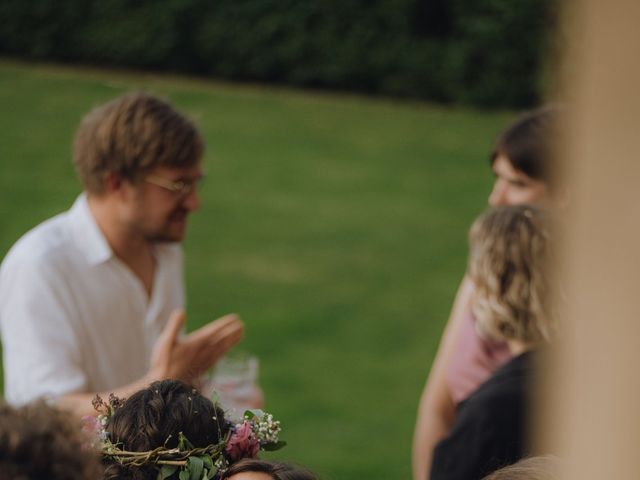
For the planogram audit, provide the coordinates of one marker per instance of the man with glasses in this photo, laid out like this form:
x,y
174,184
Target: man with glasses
x,y
91,300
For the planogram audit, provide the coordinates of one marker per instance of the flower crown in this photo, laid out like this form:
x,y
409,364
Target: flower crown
x,y
256,431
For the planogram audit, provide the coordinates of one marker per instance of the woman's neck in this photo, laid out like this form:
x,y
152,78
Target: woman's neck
x,y
516,347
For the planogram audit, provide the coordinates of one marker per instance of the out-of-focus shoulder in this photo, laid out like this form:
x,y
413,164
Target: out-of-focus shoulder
x,y
47,242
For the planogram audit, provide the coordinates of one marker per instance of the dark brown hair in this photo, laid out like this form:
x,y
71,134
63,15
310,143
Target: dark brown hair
x,y
277,470
529,141
38,441
130,136
154,417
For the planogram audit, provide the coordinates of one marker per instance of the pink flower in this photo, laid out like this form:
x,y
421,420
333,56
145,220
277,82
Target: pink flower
x,y
243,443
91,425
92,430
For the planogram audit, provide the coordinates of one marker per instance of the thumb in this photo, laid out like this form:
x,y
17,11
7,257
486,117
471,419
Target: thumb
x,y
168,337
173,327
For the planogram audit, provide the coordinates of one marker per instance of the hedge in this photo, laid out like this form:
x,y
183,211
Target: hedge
x,y
478,52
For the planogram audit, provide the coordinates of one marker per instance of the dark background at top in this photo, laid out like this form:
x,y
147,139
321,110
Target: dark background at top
x,y
487,53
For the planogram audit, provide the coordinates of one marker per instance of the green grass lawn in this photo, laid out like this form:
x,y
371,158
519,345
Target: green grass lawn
x,y
335,225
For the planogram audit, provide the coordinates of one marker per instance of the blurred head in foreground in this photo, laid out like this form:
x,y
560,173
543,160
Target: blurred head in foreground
x,y
40,442
253,469
533,468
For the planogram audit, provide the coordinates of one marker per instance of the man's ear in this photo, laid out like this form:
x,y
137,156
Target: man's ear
x,y
112,182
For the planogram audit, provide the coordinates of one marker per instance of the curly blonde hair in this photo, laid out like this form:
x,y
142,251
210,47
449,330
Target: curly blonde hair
x,y
509,253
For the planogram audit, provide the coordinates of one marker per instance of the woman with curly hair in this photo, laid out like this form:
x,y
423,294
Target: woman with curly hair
x,y
522,162
169,430
510,248
158,417
38,441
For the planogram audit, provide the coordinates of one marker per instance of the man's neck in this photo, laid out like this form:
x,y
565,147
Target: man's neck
x,y
131,248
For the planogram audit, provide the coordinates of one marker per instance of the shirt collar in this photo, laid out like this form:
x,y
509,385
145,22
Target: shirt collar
x,y
87,234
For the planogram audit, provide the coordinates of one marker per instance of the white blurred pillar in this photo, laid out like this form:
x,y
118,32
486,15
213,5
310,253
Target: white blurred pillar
x,y
595,397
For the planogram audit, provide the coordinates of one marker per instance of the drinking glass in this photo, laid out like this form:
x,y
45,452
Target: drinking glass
x,y
233,382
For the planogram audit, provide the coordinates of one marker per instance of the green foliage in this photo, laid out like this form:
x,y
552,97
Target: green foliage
x,y
166,471
481,52
272,447
496,49
195,467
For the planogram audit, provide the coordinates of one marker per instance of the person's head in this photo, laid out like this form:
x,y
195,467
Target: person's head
x,y
254,469
521,159
533,468
509,252
155,416
139,150
38,441
130,137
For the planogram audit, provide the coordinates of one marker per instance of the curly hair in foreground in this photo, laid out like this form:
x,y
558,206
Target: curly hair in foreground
x,y
155,417
545,467
38,441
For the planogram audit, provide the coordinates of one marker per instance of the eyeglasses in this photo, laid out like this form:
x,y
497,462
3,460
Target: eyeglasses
x,y
179,187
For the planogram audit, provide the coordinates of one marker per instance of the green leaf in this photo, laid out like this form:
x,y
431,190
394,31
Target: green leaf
x,y
256,412
208,462
195,465
184,475
183,442
272,447
166,471
212,472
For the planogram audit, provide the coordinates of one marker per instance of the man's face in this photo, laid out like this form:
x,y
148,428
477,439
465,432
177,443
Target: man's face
x,y
161,202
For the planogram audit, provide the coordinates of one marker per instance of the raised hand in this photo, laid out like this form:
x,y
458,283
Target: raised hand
x,y
189,356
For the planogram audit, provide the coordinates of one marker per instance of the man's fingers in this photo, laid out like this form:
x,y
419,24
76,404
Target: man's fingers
x,y
227,336
221,343
213,329
212,341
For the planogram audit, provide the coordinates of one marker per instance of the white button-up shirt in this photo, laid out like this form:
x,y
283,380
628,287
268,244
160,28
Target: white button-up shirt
x,y
73,317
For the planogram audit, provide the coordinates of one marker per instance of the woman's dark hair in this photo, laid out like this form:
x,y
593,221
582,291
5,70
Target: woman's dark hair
x,y
154,417
277,470
529,141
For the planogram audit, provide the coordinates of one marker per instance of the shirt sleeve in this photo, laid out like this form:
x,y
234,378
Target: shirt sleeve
x,y
41,351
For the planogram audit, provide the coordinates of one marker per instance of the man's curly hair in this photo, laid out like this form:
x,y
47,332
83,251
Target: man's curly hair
x,y
38,441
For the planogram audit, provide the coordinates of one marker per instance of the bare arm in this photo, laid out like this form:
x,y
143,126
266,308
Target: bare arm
x,y
184,358
436,408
